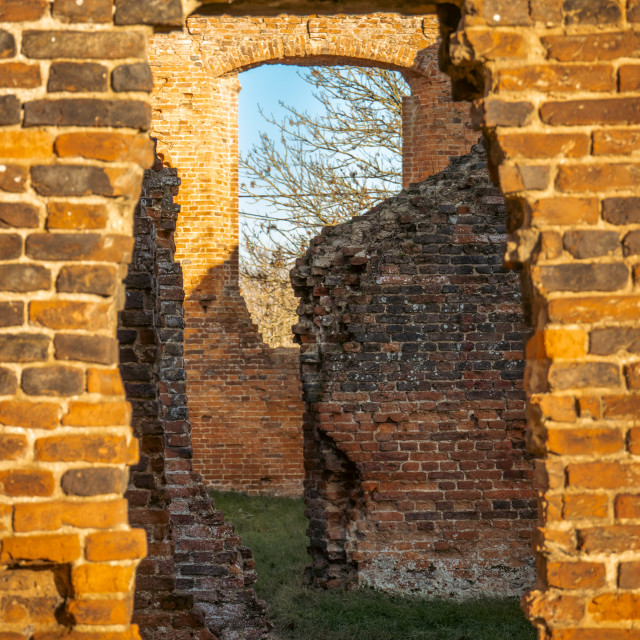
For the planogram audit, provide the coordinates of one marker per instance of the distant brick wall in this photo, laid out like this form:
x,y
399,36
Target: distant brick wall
x,y
245,398
412,340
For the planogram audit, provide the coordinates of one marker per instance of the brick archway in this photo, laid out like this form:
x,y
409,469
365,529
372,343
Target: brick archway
x,y
244,397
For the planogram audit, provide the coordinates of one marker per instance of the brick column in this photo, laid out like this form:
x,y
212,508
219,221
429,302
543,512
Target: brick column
x,y
561,110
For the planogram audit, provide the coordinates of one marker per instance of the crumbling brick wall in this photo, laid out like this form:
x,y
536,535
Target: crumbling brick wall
x,y
412,335
196,579
245,398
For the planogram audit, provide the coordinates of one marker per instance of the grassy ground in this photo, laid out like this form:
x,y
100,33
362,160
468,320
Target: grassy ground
x,y
274,529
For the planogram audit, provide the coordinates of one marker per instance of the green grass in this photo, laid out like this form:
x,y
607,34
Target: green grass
x,y
274,528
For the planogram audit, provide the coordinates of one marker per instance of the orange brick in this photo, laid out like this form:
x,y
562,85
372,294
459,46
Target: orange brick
x,y
585,441
620,406
12,446
49,516
110,147
587,309
100,612
106,382
108,449
116,545
20,74
48,548
603,475
97,414
579,506
32,415
615,606
492,44
575,575
557,408
597,177
590,407
591,46
629,77
565,343
616,141
553,607
634,441
26,144
548,77
71,215
64,314
101,578
629,575
544,145
565,211
26,482
627,506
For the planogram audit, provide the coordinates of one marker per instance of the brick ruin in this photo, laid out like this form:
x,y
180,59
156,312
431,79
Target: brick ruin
x,y
412,363
555,86
244,397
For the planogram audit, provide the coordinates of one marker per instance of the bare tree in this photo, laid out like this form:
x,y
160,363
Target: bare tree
x,y
324,169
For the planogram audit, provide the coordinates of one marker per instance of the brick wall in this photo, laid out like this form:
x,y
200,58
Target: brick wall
x,y
245,398
412,335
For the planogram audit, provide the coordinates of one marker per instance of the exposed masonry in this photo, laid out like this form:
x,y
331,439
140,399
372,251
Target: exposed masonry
x,y
412,340
196,579
245,398
557,87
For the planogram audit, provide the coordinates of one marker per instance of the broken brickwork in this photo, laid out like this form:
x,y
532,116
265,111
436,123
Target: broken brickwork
x,y
245,399
556,84
412,335
196,579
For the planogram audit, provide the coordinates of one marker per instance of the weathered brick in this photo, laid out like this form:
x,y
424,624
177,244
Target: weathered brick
x,y
585,441
19,75
132,77
609,340
13,446
590,77
97,414
77,76
106,382
21,144
599,177
24,277
32,415
65,314
13,178
580,506
502,12
23,347
563,343
11,313
492,44
629,77
50,516
106,449
615,606
10,246
77,216
627,506
87,112
602,475
10,110
94,481
608,45
18,214
631,243
7,44
116,545
633,11
100,612
48,548
26,482
107,45
544,145
54,380
86,11
111,147
523,177
582,277
615,141
629,575
632,374
620,406
565,211
621,210
156,12
101,578
583,244
21,11
624,110
79,246
92,348
78,180
576,575
508,114
99,279
594,12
